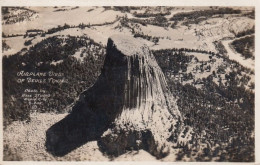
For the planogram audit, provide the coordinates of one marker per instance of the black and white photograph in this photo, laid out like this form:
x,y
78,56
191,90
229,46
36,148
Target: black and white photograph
x,y
128,83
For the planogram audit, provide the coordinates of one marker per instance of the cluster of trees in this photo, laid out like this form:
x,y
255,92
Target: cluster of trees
x,y
27,43
13,15
162,51
197,16
246,32
79,74
221,115
60,10
164,56
149,11
5,47
143,22
157,21
250,14
83,26
10,35
124,22
93,9
147,14
245,46
59,28
174,24
147,37
73,8
57,10
64,27
123,9
228,126
172,62
33,33
220,47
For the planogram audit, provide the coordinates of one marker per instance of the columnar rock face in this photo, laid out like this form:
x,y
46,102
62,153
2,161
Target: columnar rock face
x,y
128,108
144,113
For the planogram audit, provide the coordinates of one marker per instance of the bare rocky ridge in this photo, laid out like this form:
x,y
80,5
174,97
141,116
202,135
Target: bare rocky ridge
x,y
128,108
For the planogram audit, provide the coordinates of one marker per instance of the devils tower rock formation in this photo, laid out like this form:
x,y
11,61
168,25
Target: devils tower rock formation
x,y
129,107
148,115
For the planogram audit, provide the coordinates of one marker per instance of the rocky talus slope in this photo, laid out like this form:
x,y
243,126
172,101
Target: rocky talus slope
x,y
128,108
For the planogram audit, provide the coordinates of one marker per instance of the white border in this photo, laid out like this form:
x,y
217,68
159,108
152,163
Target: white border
x,y
128,2
255,3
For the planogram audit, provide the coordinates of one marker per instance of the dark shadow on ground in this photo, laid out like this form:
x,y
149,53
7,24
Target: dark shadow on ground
x,y
90,117
96,109
85,123
73,131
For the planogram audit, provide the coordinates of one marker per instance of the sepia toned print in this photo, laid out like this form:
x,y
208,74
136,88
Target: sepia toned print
x,y
128,83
